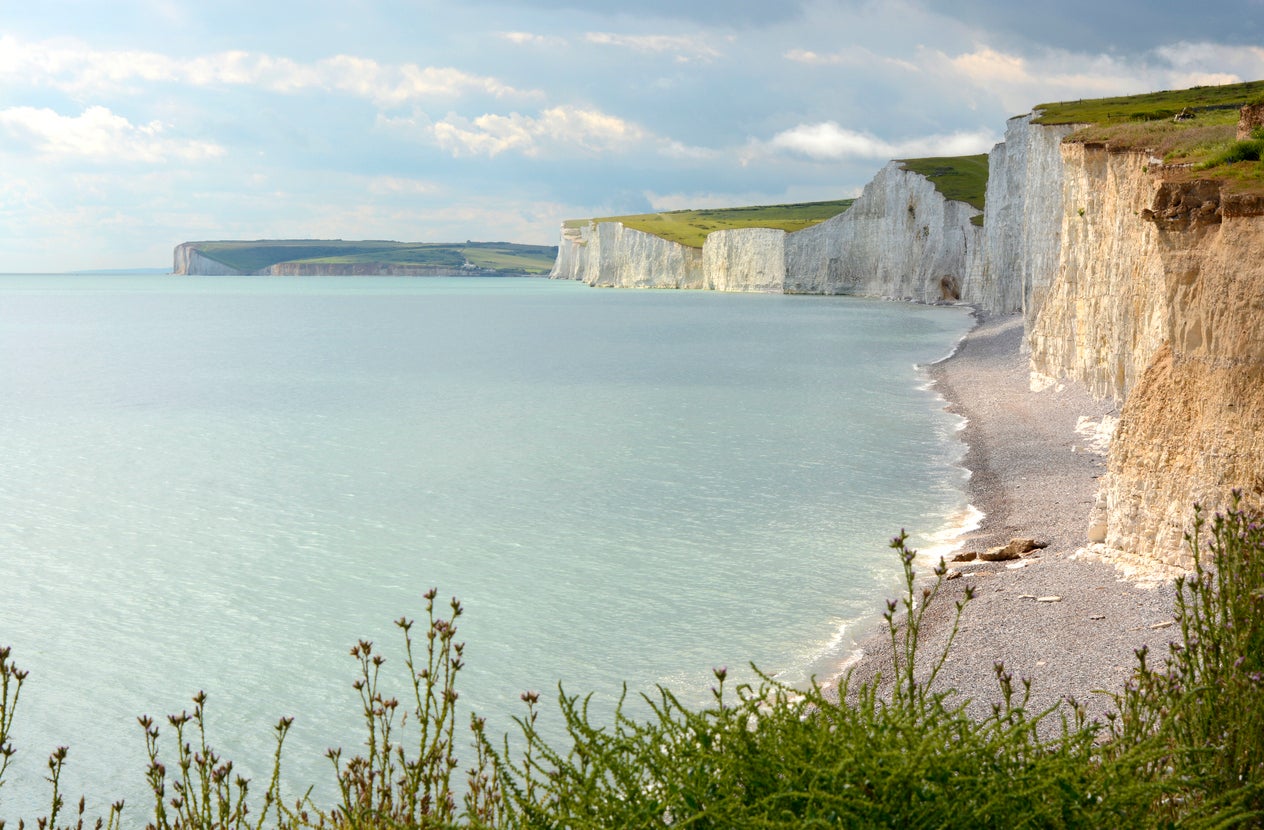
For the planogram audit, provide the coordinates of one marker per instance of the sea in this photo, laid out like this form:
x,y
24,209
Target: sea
x,y
222,484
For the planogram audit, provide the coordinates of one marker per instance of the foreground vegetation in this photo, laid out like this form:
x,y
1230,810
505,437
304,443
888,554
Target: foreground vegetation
x,y
691,227
507,257
1183,746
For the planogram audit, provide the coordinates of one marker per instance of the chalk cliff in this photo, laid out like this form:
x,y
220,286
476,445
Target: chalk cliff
x,y
901,239
1158,302
1143,283
1022,215
189,260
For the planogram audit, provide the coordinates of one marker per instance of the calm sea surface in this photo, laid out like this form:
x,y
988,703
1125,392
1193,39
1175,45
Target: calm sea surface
x,y
220,484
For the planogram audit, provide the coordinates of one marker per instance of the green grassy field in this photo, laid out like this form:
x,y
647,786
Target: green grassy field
x,y
507,257
1151,106
961,178
1203,140
691,227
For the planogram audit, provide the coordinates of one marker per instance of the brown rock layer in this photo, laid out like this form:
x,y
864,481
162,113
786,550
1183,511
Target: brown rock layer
x,y
1192,429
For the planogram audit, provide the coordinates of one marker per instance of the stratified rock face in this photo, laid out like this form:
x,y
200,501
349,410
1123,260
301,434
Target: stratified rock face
x,y
1023,216
901,239
1250,119
1158,302
1192,428
1104,315
189,260
747,259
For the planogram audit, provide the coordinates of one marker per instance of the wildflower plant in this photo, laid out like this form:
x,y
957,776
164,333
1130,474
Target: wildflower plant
x,y
1196,722
1184,746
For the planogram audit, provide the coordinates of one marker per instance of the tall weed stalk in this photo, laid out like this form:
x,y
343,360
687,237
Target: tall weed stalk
x,y
1195,724
1184,746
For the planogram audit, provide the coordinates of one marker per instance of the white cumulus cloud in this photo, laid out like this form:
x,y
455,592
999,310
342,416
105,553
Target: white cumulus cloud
x,y
78,69
684,47
557,127
853,57
828,141
97,133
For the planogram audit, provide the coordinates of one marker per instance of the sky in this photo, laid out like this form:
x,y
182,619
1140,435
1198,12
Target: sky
x,y
129,126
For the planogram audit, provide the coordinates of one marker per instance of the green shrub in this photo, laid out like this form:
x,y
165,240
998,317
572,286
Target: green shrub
x,y
1184,746
1200,718
1238,151
771,756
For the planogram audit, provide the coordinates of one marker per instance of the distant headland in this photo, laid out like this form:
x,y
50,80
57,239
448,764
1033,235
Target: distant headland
x,y
372,257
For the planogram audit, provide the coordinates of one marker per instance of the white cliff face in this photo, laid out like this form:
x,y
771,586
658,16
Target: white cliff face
x,y
1023,216
188,260
746,259
901,239
1156,302
1105,313
612,255
571,253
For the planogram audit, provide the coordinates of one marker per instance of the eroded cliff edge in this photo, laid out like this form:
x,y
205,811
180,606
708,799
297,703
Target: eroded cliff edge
x,y
1145,284
902,239
1158,302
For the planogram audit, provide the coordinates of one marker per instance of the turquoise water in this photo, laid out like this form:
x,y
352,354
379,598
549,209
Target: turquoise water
x,y
222,483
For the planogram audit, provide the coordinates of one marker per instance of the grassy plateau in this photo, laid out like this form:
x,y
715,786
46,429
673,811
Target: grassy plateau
x,y
1192,131
505,257
691,227
960,178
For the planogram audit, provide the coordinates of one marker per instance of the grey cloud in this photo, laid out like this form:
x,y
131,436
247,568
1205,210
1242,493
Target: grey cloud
x,y
1128,26
734,13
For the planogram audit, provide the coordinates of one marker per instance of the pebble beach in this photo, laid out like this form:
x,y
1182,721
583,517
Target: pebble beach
x,y
1058,615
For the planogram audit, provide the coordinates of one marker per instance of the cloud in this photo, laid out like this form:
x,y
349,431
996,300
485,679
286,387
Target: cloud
x,y
531,39
987,65
827,141
1127,27
101,135
726,13
400,186
1021,81
1205,63
685,48
77,69
858,56
570,127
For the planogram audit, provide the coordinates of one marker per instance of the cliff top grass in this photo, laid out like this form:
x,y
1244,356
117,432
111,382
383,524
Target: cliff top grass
x,y
960,178
1151,106
691,227
1191,131
256,255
